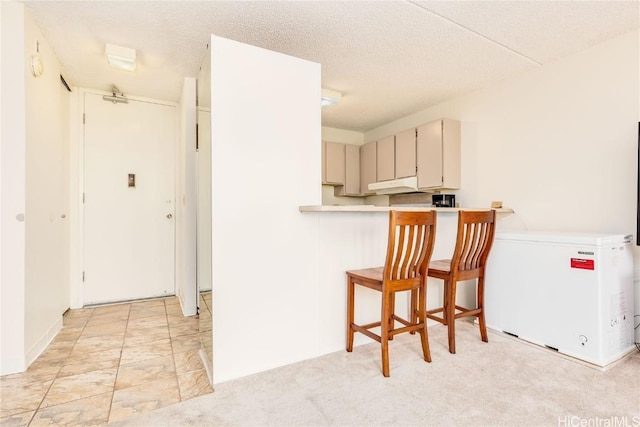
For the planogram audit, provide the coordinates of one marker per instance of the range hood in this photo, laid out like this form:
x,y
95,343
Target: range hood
x,y
395,186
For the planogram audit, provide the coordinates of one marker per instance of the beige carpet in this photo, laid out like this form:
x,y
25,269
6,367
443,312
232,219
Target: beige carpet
x,y
503,382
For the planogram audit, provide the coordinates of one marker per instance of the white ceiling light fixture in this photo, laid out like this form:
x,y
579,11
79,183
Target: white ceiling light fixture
x,y
329,98
122,58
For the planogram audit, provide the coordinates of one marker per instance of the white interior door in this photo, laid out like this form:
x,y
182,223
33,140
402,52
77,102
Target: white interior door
x,y
129,187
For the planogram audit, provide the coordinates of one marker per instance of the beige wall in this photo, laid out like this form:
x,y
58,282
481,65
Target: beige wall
x,y
36,288
47,196
264,270
329,198
343,136
186,200
558,144
12,194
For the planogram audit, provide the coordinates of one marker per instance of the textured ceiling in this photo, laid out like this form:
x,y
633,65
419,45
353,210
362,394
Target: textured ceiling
x,y
388,58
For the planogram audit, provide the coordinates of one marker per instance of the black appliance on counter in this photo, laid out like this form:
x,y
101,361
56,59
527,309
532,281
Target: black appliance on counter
x,y
443,200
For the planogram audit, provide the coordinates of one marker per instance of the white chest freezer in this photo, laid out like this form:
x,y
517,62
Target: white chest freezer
x,y
567,291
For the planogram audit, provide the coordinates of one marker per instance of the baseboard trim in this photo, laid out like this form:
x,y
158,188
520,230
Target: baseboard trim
x,y
42,343
207,364
12,366
187,310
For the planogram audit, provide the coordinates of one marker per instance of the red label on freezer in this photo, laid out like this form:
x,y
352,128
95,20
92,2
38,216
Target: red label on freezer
x,y
585,264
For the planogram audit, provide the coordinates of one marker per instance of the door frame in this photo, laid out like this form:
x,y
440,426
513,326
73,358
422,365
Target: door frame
x,y
76,180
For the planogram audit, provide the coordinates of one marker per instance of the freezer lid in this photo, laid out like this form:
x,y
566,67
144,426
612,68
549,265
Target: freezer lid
x,y
594,239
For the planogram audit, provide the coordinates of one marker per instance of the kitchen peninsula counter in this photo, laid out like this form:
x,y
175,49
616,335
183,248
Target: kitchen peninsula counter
x,y
373,208
355,236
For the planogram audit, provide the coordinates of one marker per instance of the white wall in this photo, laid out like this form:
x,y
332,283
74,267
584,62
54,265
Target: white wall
x,y
47,229
265,122
342,135
76,208
204,198
203,227
35,253
558,144
186,200
12,191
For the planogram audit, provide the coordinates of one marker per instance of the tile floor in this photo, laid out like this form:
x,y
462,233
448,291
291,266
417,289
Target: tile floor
x,y
109,363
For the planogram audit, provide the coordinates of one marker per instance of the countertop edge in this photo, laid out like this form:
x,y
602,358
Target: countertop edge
x,y
372,208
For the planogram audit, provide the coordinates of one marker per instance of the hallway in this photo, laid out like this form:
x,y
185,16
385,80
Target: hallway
x,y
108,363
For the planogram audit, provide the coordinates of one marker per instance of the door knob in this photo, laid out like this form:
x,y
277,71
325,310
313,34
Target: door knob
x,y
169,216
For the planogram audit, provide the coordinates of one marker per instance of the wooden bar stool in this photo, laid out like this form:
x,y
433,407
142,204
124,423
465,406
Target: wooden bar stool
x,y
409,248
473,243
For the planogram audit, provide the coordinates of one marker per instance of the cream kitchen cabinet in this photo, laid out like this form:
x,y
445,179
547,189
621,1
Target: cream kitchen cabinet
x,y
351,185
333,163
438,155
396,156
341,168
367,167
385,159
405,154
430,152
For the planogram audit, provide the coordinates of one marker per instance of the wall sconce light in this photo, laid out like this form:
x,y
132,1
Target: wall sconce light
x,y
122,58
329,98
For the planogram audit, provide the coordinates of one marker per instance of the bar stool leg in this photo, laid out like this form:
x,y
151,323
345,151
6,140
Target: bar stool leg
x,y
481,321
350,304
421,317
451,314
414,308
384,331
392,310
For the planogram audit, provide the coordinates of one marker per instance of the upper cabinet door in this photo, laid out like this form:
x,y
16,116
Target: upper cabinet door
x,y
438,155
429,155
367,167
352,170
334,166
451,153
405,158
385,159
